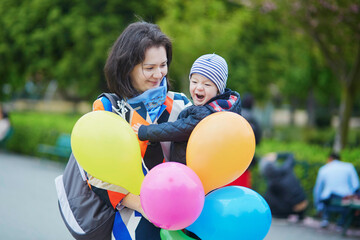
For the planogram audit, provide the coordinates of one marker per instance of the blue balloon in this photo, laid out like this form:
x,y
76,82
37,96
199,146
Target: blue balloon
x,y
233,212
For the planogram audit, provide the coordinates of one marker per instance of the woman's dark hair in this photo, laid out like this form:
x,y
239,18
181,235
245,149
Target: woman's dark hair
x,y
334,156
128,51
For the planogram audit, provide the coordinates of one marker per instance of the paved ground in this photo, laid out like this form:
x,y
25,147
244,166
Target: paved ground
x,y
28,208
29,211
307,230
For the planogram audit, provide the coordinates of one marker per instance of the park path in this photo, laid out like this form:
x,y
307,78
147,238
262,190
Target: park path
x,y
29,211
28,208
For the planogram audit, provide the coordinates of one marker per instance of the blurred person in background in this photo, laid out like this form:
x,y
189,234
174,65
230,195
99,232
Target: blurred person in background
x,y
335,180
284,194
5,125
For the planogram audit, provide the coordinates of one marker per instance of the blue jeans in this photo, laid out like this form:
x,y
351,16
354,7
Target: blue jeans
x,y
330,207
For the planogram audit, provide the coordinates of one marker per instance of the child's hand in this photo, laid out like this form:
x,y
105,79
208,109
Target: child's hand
x,y
136,127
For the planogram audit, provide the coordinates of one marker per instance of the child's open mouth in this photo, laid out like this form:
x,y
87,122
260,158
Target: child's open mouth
x,y
199,96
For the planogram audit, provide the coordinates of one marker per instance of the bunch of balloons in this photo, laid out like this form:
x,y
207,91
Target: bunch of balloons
x,y
231,212
175,196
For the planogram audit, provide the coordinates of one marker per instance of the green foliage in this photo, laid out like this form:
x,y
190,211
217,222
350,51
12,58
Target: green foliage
x,y
322,137
303,67
42,40
302,151
260,52
334,28
34,128
252,42
198,28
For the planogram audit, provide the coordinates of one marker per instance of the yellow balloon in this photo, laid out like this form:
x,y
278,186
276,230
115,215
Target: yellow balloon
x,y
105,145
220,149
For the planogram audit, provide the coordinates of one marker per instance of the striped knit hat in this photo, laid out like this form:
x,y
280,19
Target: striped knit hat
x,y
213,67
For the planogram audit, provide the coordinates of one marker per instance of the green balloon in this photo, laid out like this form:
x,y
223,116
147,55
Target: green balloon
x,y
173,235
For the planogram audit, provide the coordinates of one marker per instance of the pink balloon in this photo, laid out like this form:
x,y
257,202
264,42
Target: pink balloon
x,y
172,196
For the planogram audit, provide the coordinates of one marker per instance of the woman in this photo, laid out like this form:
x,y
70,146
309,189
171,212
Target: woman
x,y
136,72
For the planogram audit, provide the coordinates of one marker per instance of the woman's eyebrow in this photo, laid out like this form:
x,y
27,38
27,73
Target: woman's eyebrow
x,y
153,64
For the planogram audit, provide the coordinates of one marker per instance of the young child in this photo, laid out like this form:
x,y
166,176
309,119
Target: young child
x,y
208,76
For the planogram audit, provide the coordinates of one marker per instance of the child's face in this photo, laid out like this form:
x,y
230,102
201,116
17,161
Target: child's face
x,y
202,89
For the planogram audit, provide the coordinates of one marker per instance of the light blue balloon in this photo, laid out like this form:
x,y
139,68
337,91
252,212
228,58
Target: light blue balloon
x,y
233,212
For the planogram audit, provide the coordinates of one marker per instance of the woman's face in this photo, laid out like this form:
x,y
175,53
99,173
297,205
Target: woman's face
x,y
148,74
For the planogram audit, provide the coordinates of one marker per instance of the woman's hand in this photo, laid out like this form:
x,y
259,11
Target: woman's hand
x,y
136,127
133,201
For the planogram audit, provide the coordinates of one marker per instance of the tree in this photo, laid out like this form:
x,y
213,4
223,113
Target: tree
x,y
334,26
43,40
245,36
198,28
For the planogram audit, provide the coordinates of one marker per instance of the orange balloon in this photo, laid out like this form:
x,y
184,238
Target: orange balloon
x,y
220,149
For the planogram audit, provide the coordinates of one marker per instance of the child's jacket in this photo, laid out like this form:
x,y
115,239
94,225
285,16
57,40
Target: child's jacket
x,y
179,131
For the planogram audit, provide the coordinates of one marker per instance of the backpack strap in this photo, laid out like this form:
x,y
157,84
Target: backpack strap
x,y
118,105
113,98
